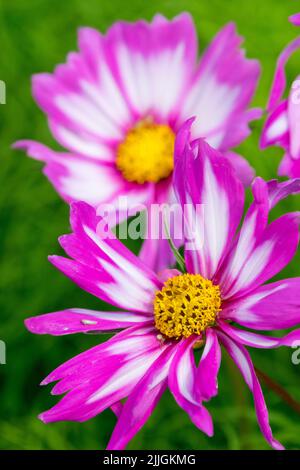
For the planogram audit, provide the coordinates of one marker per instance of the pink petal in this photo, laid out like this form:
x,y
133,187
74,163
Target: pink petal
x,y
242,359
98,378
295,19
167,274
266,196
182,384
243,169
271,307
254,340
273,251
147,55
289,166
117,408
206,379
76,177
156,251
276,128
294,119
76,106
280,190
221,91
103,266
157,254
254,230
141,402
77,320
212,198
279,80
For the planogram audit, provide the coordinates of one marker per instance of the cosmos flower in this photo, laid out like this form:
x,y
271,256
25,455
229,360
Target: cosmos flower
x,y
282,126
165,318
116,106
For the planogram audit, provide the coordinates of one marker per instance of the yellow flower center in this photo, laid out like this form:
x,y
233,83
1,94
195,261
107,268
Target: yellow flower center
x,y
146,153
187,304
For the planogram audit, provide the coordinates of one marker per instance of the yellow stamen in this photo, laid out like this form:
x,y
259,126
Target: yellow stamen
x,y
187,304
146,154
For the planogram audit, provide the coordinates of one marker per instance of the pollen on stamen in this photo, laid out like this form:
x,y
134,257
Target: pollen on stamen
x,y
187,304
146,153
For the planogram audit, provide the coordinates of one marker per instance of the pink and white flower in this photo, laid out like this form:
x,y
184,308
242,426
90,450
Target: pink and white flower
x,y
134,85
164,318
282,126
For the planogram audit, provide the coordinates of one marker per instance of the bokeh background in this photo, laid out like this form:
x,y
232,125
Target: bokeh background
x,y
34,36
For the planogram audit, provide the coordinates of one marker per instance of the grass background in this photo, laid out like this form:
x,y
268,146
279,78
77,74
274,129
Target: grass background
x,y
34,36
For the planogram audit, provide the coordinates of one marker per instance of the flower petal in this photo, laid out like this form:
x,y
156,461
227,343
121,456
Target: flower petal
x,y
279,80
83,102
266,195
280,190
242,359
264,258
206,378
79,320
295,19
218,96
254,340
276,128
141,401
117,408
103,266
212,199
294,119
289,166
157,254
103,375
182,378
75,177
274,306
147,55
156,251
243,169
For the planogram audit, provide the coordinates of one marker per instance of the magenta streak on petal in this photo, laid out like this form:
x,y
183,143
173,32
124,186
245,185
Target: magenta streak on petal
x,y
265,258
281,190
78,177
103,375
279,80
182,384
294,118
273,306
76,320
146,54
203,179
117,408
254,340
266,195
167,274
156,251
218,97
137,338
206,378
243,169
276,127
141,401
103,266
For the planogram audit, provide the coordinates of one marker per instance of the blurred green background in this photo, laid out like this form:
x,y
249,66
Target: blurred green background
x,y
34,36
